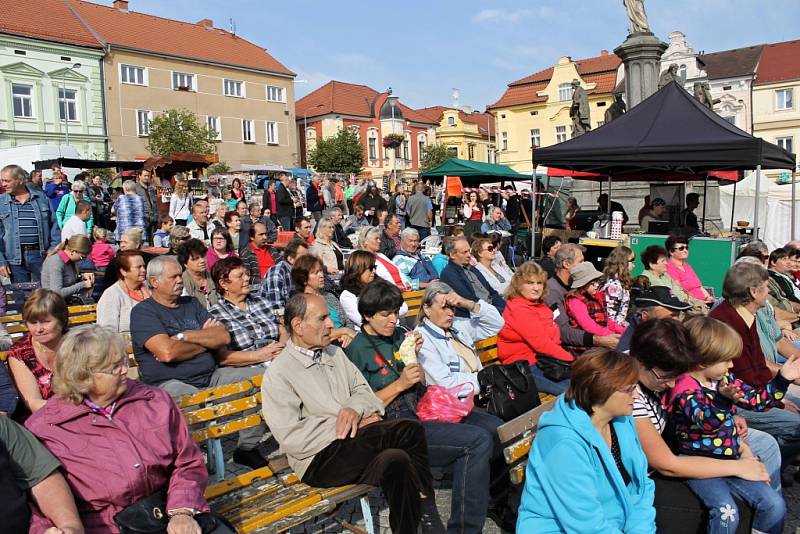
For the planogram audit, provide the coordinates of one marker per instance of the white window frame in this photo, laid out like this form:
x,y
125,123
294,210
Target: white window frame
x,y
451,121
785,92
125,71
217,127
561,134
273,133
407,147
372,148
229,88
565,89
192,78
421,144
782,142
67,104
281,93
536,137
23,99
504,140
251,130
143,130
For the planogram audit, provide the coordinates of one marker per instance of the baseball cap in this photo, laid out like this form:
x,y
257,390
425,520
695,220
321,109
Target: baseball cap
x,y
660,296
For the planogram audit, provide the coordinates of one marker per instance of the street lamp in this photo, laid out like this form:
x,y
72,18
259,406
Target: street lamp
x,y
64,96
393,103
305,131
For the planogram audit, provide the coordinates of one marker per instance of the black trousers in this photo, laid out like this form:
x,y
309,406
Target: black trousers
x,y
390,454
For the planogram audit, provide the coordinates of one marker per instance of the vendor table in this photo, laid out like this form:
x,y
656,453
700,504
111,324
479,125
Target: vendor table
x,y
598,249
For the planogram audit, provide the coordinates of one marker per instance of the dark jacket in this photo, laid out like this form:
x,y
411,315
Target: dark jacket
x,y
750,366
285,203
340,237
314,201
388,246
373,202
454,276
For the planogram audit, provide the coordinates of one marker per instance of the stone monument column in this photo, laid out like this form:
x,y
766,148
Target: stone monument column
x,y
641,55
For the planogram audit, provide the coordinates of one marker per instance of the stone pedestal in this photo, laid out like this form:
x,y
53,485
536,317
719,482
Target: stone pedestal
x,y
641,54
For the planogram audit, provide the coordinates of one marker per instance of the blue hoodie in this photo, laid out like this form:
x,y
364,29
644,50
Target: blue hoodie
x,y
572,483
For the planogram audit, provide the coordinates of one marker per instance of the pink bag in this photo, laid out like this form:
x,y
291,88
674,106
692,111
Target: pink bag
x,y
443,405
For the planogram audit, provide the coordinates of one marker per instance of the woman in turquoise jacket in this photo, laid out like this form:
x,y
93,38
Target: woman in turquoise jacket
x,y
586,471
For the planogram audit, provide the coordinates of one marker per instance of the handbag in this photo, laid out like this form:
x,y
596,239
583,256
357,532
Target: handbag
x,y
149,516
553,368
508,390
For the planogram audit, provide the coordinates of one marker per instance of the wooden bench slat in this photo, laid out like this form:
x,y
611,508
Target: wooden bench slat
x,y
271,497
524,423
519,449
225,409
517,473
261,520
240,481
219,392
224,429
295,520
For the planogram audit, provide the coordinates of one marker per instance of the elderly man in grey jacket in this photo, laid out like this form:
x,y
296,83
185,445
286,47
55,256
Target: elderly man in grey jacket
x,y
329,423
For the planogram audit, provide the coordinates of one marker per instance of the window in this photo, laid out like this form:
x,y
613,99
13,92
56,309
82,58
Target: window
x,y
373,148
143,119
504,140
452,152
133,75
785,143
534,113
682,72
451,121
561,134
248,131
536,138
565,91
214,127
272,133
727,87
21,52
471,152
183,81
276,94
23,101
421,149
67,105
233,88
406,149
783,99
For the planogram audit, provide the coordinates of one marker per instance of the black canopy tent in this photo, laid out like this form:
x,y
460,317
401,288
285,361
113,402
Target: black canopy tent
x,y
87,164
668,136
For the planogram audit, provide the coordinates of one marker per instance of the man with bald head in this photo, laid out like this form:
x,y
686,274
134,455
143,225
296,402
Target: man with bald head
x,y
327,420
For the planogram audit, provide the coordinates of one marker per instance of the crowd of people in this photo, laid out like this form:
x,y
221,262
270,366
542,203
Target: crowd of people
x,y
672,402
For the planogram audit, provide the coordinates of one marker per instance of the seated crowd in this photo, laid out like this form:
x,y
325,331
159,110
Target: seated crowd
x,y
670,404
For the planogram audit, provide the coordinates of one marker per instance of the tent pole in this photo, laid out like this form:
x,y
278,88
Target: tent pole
x,y
733,201
534,201
794,215
758,194
705,196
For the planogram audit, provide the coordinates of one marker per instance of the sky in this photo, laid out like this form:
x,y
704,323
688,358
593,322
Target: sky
x,y
425,49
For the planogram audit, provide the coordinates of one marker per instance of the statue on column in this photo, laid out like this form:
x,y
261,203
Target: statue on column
x,y
616,109
579,110
669,75
702,92
637,18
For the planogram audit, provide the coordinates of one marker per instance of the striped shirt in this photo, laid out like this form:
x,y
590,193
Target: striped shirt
x,y
28,225
648,404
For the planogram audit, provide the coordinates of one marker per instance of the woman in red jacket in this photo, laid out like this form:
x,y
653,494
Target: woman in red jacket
x,y
530,329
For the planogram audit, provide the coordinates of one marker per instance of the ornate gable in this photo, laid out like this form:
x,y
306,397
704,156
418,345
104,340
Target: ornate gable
x,y
22,69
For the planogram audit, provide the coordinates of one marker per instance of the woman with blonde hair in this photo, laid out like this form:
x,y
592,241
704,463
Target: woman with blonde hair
x,y
180,203
617,288
60,268
325,247
94,405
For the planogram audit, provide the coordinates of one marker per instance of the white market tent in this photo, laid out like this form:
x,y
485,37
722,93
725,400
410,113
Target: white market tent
x,y
774,208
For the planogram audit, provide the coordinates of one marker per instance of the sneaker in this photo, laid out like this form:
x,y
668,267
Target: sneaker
x,y
430,522
251,458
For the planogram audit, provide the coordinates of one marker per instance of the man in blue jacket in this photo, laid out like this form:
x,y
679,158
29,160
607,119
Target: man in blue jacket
x,y
314,201
465,279
28,227
56,188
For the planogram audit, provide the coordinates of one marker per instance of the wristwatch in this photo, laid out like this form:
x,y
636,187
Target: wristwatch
x,y
180,336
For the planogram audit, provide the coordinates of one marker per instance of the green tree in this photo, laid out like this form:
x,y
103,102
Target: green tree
x,y
219,168
178,130
342,153
433,156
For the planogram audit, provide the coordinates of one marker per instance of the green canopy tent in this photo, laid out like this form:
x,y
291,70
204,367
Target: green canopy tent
x,y
474,173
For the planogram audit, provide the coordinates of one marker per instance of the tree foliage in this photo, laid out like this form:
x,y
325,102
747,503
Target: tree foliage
x,y
342,153
219,168
178,130
433,156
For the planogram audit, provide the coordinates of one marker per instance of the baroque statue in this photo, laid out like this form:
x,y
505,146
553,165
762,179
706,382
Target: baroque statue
x,y
616,109
669,75
637,18
579,110
702,92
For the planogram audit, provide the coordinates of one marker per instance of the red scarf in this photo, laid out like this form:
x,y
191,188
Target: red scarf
x,y
394,271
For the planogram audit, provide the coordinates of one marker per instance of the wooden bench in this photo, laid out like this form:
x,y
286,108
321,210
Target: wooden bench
x,y
268,499
413,300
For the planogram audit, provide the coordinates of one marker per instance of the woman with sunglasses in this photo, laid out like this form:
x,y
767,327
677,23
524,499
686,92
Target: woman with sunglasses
x,y
485,252
358,272
60,269
681,271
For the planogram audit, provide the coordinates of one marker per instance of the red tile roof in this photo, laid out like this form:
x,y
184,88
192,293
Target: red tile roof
x,y
140,31
348,99
48,20
601,70
779,62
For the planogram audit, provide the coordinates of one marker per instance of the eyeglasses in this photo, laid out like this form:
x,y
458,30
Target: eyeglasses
x,y
628,390
680,247
77,190
117,370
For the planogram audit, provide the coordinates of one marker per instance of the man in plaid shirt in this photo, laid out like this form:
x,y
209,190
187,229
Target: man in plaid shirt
x,y
277,286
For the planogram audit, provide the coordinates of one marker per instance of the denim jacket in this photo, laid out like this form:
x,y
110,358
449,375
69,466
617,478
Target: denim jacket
x,y
49,233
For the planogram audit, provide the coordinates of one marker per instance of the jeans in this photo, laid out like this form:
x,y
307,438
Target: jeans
x,y
545,385
723,514
248,438
678,510
766,448
424,231
392,454
285,223
783,425
30,270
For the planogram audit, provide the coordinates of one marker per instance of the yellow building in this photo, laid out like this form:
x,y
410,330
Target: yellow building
x,y
467,135
776,97
534,111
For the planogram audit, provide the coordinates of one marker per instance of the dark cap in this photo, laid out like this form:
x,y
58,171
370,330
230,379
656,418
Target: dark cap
x,y
660,296
658,202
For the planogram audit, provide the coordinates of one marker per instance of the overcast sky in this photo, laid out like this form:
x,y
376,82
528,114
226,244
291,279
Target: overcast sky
x,y
425,49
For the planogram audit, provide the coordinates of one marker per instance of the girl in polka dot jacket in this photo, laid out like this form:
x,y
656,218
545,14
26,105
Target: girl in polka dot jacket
x,y
702,405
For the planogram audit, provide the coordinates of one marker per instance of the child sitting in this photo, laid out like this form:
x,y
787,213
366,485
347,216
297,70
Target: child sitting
x,y
161,237
102,253
77,223
585,304
703,403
